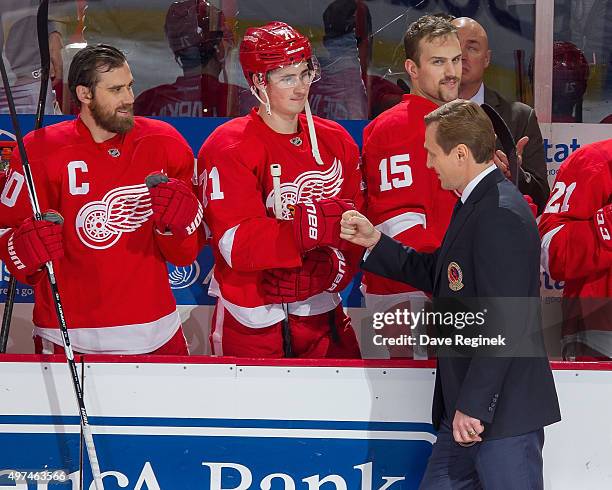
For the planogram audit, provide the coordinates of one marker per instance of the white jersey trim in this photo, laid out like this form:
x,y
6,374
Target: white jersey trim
x,y
402,222
315,305
226,244
265,315
217,334
545,251
138,338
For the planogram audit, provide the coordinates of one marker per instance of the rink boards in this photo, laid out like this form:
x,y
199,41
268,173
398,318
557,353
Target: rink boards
x,y
203,423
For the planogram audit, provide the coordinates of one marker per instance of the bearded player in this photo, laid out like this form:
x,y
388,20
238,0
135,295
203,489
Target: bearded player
x,y
278,263
404,197
108,234
576,230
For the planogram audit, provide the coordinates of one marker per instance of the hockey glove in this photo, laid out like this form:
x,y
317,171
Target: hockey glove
x,y
317,223
175,206
531,204
323,269
36,242
603,225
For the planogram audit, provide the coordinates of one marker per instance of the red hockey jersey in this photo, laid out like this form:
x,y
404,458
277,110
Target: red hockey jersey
x,y
571,250
193,96
113,279
404,198
237,192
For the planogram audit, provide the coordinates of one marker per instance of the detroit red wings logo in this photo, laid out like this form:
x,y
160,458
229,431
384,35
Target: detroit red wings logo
x,y
308,186
100,224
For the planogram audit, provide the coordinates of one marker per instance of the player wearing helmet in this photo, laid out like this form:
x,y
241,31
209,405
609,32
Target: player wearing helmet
x,y
263,262
570,75
199,37
110,253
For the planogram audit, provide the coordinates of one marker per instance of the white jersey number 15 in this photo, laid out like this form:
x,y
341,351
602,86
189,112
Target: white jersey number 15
x,y
395,166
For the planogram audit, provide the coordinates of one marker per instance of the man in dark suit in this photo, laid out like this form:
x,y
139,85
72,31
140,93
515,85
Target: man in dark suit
x,y
496,399
520,118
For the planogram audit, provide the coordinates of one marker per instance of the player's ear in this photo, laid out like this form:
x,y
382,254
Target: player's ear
x,y
462,152
84,94
411,68
259,80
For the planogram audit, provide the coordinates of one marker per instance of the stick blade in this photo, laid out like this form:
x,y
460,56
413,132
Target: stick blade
x,y
506,139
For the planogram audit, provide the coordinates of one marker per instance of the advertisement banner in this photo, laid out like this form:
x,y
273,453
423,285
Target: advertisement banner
x,y
305,426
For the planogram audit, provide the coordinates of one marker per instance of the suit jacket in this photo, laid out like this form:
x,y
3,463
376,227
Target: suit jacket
x,y
489,257
522,121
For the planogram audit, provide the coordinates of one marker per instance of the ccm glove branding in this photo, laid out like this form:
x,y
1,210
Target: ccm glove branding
x,y
603,224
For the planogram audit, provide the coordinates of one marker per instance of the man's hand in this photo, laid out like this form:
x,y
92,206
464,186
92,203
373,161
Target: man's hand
x,y
357,229
175,206
36,242
603,225
317,223
466,429
501,159
323,269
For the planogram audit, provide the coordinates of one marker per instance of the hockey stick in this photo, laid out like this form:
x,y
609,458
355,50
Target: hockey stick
x,y
507,141
42,28
59,310
275,172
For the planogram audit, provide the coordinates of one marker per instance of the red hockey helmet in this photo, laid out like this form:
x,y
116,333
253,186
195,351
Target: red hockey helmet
x,y
192,23
272,46
570,72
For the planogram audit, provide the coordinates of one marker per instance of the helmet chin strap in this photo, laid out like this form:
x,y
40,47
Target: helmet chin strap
x,y
255,92
314,144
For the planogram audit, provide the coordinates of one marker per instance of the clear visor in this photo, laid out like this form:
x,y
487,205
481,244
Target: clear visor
x,y
289,76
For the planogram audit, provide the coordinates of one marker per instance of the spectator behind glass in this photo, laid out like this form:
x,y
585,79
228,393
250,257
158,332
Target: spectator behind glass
x,y
340,94
520,118
18,21
197,34
347,22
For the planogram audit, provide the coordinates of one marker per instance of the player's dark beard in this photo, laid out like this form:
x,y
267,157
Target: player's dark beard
x,y
109,120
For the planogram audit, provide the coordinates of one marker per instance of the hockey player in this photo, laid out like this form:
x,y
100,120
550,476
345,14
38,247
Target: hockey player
x,y
404,197
570,77
199,37
265,265
576,230
110,252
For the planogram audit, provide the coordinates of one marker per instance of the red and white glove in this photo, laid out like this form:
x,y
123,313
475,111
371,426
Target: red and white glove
x,y
317,223
603,225
531,204
175,206
323,269
36,242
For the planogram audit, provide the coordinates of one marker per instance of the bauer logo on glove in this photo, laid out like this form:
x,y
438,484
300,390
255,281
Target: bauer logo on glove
x,y
317,223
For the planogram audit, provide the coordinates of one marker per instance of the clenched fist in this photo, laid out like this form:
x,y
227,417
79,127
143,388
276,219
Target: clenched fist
x,y
357,229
